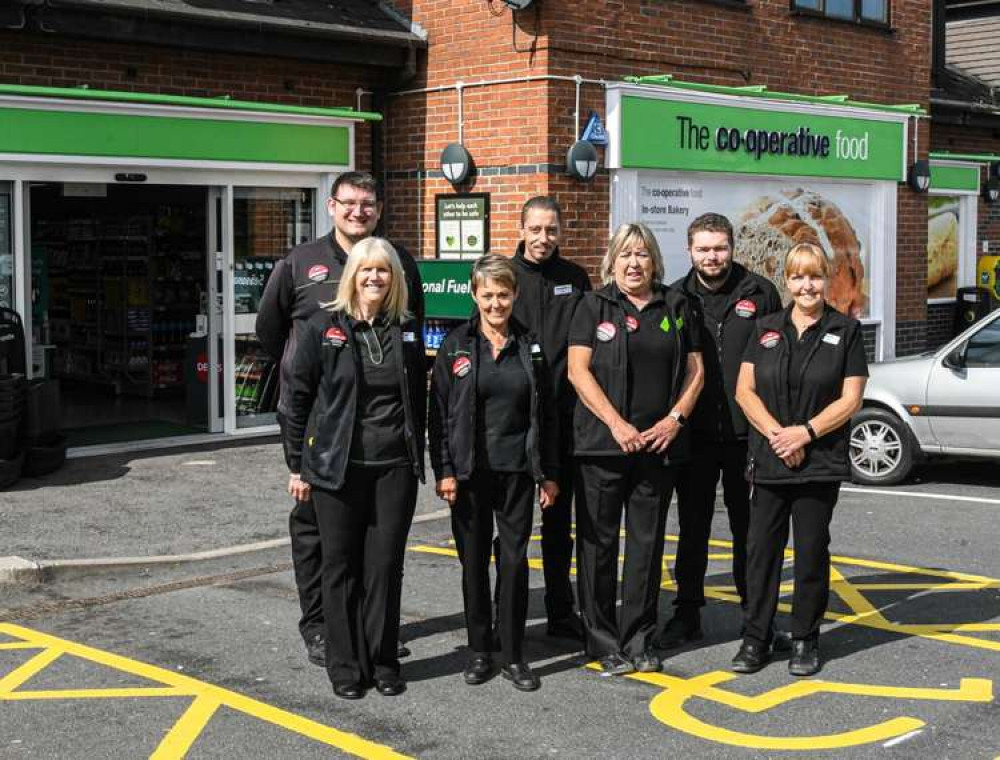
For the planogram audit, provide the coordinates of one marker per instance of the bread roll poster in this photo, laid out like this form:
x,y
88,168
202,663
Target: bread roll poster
x,y
943,215
769,217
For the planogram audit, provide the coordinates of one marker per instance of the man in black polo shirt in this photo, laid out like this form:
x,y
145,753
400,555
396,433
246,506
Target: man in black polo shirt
x,y
301,284
549,288
726,299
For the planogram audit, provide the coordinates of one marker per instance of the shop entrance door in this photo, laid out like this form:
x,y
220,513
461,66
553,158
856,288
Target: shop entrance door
x,y
259,226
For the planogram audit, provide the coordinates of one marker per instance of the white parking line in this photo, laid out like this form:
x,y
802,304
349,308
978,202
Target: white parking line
x,y
920,495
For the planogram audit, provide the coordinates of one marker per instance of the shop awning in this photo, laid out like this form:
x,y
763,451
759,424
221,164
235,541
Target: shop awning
x,y
761,91
661,123
50,121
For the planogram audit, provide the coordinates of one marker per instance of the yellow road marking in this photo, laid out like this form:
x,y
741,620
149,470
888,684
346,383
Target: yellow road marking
x,y
186,730
20,674
668,708
174,685
862,611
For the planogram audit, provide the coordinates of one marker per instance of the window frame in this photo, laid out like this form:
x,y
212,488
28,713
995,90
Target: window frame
x,y
856,19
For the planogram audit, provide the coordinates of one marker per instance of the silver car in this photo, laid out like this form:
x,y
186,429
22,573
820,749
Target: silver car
x,y
942,402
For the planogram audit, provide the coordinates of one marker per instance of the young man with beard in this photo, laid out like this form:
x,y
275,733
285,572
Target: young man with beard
x,y
303,282
726,299
549,288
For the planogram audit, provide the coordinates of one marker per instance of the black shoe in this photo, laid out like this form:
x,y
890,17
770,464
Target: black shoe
x,y
522,676
616,664
390,686
479,669
569,627
353,690
647,662
805,658
781,640
316,650
679,630
402,651
751,658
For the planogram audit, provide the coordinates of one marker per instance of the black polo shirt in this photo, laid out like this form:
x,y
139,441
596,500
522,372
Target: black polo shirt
x,y
652,355
715,301
503,409
378,438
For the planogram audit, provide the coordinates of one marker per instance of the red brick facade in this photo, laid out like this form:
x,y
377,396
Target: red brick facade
x,y
518,133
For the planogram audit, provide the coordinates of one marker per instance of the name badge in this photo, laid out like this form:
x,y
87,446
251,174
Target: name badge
x,y
832,339
409,337
562,290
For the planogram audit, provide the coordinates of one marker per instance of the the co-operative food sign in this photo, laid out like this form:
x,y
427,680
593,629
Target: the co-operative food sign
x,y
666,134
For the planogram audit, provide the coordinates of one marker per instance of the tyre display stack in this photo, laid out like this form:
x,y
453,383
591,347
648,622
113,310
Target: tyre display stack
x,y
45,449
13,391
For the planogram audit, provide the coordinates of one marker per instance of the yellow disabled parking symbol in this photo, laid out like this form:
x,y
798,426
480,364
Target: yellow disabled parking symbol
x,y
669,707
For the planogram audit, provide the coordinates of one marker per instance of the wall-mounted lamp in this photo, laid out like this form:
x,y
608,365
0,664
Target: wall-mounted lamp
x,y
582,160
991,190
517,5
918,177
456,163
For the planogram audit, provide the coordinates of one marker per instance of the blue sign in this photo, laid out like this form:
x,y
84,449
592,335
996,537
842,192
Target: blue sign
x,y
594,132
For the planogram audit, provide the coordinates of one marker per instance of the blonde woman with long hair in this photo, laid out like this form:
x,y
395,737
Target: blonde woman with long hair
x,y
354,443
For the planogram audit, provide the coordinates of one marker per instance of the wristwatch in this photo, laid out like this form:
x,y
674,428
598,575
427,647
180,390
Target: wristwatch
x,y
679,418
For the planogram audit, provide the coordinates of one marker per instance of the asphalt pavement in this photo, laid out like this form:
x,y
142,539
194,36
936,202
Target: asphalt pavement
x,y
202,659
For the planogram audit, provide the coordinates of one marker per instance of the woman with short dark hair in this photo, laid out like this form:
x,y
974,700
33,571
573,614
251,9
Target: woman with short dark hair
x,y
493,437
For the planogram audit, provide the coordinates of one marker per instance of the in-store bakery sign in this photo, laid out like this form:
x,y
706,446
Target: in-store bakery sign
x,y
666,134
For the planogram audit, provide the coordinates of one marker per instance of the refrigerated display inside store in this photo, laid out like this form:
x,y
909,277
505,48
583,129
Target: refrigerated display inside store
x,y
118,278
267,223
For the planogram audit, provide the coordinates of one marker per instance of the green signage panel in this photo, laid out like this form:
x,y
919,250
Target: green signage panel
x,y
669,134
955,178
447,290
80,133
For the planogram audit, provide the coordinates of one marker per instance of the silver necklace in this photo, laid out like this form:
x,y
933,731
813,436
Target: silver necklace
x,y
378,343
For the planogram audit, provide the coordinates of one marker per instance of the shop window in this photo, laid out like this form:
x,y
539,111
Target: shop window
x,y
860,11
6,248
951,223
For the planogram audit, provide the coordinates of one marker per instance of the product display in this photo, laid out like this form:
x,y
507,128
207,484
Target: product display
x,y
772,224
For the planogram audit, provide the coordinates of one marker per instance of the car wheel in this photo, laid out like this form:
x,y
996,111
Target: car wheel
x,y
881,448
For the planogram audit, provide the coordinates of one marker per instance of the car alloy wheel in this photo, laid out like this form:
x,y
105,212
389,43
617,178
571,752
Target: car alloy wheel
x,y
879,448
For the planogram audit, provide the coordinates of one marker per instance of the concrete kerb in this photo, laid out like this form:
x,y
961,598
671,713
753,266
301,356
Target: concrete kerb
x,y
21,571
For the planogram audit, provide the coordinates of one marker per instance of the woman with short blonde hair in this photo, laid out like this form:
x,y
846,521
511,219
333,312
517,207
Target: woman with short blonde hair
x,y
625,234
496,268
802,378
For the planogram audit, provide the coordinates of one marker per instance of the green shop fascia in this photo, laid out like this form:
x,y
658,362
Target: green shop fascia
x,y
781,167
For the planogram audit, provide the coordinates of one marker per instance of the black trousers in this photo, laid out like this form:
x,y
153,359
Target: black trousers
x,y
363,527
307,562
641,486
509,496
557,541
810,507
695,507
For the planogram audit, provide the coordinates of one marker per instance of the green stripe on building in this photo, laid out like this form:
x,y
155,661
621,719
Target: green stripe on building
x,y
954,177
82,133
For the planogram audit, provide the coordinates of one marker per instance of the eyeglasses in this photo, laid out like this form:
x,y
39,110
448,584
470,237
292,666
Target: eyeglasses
x,y
367,207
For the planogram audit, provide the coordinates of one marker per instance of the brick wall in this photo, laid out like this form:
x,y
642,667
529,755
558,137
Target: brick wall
x,y
31,59
509,129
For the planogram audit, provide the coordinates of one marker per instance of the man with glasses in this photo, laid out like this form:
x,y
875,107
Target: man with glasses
x,y
302,283
726,299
